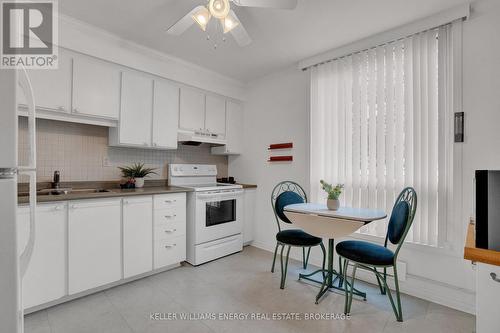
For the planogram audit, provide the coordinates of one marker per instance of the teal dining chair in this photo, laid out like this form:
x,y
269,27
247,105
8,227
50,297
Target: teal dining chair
x,y
287,193
369,256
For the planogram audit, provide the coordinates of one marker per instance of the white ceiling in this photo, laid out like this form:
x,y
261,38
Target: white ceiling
x,y
280,37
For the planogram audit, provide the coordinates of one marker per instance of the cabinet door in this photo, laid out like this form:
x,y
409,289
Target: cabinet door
x,y
165,114
136,109
45,278
235,129
487,294
215,115
96,88
94,244
192,110
52,88
137,235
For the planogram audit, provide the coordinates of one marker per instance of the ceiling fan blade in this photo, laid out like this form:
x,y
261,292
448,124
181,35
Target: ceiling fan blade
x,y
239,33
281,4
184,23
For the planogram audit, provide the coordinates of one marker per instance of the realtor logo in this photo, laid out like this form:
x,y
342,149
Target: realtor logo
x,y
29,34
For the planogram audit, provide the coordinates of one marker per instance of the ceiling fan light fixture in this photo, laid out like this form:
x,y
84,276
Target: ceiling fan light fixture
x,y
229,23
219,8
202,17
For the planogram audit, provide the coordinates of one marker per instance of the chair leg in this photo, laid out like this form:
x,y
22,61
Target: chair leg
x,y
382,289
274,258
324,259
283,270
344,269
306,257
341,274
351,287
397,311
398,296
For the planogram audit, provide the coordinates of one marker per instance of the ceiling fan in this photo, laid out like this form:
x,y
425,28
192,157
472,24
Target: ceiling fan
x,y
221,10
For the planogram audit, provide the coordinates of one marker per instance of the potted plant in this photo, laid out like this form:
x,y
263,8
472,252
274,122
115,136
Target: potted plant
x,y
136,172
334,192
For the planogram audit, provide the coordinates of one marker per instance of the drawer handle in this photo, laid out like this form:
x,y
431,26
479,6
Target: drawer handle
x,y
170,230
170,201
170,246
170,216
494,277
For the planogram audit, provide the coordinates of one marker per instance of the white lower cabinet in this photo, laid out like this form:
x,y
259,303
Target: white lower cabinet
x,y
169,229
487,296
137,235
94,244
86,244
45,278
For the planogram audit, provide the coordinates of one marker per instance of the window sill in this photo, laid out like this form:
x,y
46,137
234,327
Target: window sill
x,y
447,251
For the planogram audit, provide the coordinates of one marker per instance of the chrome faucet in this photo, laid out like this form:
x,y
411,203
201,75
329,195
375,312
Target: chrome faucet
x,y
56,182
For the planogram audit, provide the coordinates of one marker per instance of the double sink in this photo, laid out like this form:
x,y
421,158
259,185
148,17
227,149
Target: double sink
x,y
66,191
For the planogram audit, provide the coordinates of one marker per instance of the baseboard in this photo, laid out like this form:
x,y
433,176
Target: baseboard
x,y
430,290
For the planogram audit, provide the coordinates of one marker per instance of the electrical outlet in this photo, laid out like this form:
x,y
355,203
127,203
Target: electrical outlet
x,y
106,162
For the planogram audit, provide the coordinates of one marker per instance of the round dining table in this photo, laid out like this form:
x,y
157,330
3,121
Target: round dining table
x,y
318,220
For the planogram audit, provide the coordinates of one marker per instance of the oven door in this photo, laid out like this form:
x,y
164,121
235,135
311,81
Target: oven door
x,y
218,215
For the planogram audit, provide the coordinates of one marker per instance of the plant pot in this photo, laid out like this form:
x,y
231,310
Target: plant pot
x,y
333,204
139,182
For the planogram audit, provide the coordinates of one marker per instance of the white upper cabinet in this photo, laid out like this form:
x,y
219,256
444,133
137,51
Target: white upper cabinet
x,y
136,108
52,88
96,88
215,115
165,114
234,131
192,110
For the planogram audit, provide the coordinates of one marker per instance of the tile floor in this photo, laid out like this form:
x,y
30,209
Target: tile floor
x,y
240,283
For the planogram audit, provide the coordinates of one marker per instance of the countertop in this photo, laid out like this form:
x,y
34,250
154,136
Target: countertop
x,y
115,192
471,252
247,185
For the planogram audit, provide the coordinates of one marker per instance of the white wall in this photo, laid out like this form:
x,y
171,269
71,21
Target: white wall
x,y
87,39
277,111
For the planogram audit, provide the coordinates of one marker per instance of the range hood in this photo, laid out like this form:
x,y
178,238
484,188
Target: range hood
x,y
196,138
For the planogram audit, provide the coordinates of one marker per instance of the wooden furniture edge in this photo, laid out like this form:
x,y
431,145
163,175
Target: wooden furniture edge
x,y
471,252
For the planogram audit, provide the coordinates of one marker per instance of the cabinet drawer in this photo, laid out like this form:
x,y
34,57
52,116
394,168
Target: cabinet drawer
x,y
170,251
487,293
170,230
170,201
166,216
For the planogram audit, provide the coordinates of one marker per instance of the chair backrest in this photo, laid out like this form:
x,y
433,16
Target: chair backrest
x,y
286,193
402,216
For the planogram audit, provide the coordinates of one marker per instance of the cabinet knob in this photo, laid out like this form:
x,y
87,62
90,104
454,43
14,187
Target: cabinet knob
x,y
61,108
494,277
57,208
75,110
145,144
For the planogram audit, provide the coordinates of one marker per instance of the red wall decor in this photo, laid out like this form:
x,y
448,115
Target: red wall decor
x,y
280,159
286,145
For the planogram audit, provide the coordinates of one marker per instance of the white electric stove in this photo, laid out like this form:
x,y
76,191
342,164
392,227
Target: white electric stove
x,y
214,212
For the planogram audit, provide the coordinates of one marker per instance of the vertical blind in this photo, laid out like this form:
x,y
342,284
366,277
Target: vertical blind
x,y
378,124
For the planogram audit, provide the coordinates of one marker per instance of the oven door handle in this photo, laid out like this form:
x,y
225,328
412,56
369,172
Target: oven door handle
x,y
221,195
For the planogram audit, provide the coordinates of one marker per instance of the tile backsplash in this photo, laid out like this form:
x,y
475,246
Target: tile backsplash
x,y
81,153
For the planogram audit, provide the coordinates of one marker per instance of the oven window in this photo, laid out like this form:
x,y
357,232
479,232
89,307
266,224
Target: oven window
x,y
218,212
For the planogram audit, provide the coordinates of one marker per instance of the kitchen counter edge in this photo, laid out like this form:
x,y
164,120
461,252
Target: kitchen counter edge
x,y
114,193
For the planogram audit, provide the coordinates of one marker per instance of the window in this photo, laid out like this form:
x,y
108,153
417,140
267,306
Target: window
x,y
381,120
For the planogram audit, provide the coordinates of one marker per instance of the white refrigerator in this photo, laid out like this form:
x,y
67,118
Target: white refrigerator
x,y
14,261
